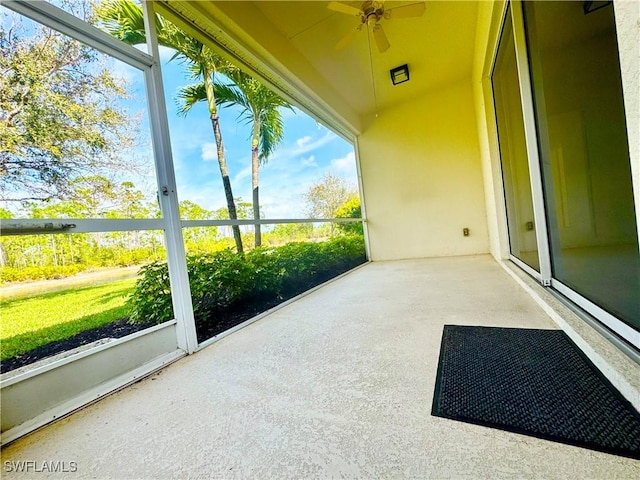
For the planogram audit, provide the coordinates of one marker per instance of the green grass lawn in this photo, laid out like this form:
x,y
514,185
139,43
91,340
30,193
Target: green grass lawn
x,y
27,323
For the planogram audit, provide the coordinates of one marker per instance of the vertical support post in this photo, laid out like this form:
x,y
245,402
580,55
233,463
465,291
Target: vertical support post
x,y
531,140
167,194
363,206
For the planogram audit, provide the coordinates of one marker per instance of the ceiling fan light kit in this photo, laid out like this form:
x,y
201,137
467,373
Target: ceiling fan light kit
x,y
371,13
399,74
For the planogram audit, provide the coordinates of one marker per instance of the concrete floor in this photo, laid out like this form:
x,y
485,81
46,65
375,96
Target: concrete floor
x,y
337,384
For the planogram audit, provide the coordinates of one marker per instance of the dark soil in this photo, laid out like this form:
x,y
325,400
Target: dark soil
x,y
118,328
222,319
216,320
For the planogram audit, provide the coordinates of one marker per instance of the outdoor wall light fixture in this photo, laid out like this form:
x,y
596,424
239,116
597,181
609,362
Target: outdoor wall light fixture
x,y
399,74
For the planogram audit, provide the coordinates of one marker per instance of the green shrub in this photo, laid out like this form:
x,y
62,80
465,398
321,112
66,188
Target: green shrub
x,y
266,275
151,299
217,279
225,278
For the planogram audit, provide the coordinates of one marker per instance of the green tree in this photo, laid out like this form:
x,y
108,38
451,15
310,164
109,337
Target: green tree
x,y
124,20
4,215
289,232
95,197
244,211
260,108
193,211
350,209
60,114
89,197
197,238
129,202
324,198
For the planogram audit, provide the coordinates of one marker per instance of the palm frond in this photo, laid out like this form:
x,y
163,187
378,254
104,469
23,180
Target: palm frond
x,y
189,95
257,102
271,132
122,19
227,95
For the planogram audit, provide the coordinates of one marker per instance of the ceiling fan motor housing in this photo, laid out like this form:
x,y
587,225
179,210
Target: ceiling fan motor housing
x,y
371,12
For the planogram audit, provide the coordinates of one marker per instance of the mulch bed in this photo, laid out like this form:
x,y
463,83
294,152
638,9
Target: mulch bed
x,y
216,321
117,329
222,319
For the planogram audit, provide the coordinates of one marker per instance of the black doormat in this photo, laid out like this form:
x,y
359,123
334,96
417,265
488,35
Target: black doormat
x,y
533,382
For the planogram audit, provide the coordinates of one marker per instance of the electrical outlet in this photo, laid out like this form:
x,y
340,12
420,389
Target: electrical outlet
x,y
529,226
465,232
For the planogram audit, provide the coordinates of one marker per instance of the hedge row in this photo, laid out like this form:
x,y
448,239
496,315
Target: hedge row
x,y
225,278
12,274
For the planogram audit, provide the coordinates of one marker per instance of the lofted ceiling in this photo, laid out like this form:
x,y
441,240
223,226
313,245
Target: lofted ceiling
x,y
438,47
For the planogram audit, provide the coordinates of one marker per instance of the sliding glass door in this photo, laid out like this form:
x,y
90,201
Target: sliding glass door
x,y
573,58
513,152
563,56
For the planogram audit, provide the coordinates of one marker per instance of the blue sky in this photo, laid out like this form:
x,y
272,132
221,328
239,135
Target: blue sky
x,y
309,150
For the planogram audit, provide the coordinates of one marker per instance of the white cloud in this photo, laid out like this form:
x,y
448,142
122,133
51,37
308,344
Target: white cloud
x,y
303,145
282,205
303,141
345,165
208,194
209,152
187,140
241,175
312,145
309,161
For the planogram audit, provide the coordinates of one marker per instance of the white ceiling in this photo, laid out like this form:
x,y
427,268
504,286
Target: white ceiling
x,y
438,47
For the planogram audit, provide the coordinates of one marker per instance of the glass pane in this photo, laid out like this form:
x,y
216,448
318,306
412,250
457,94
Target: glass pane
x,y
242,152
63,292
513,152
75,143
584,152
75,136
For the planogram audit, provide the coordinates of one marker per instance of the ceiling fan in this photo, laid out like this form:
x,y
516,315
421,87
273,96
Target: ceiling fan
x,y
371,13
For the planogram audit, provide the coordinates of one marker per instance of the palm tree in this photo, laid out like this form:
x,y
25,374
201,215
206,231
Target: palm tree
x,y
260,107
124,19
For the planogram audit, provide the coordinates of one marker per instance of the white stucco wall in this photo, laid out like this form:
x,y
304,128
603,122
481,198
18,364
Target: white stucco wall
x,y
422,178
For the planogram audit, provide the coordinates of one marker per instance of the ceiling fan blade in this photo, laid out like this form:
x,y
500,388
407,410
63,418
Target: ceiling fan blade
x,y
342,8
347,39
406,11
381,39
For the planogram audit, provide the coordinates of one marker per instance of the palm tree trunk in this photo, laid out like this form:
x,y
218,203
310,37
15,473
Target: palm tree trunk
x,y
222,161
255,165
226,182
